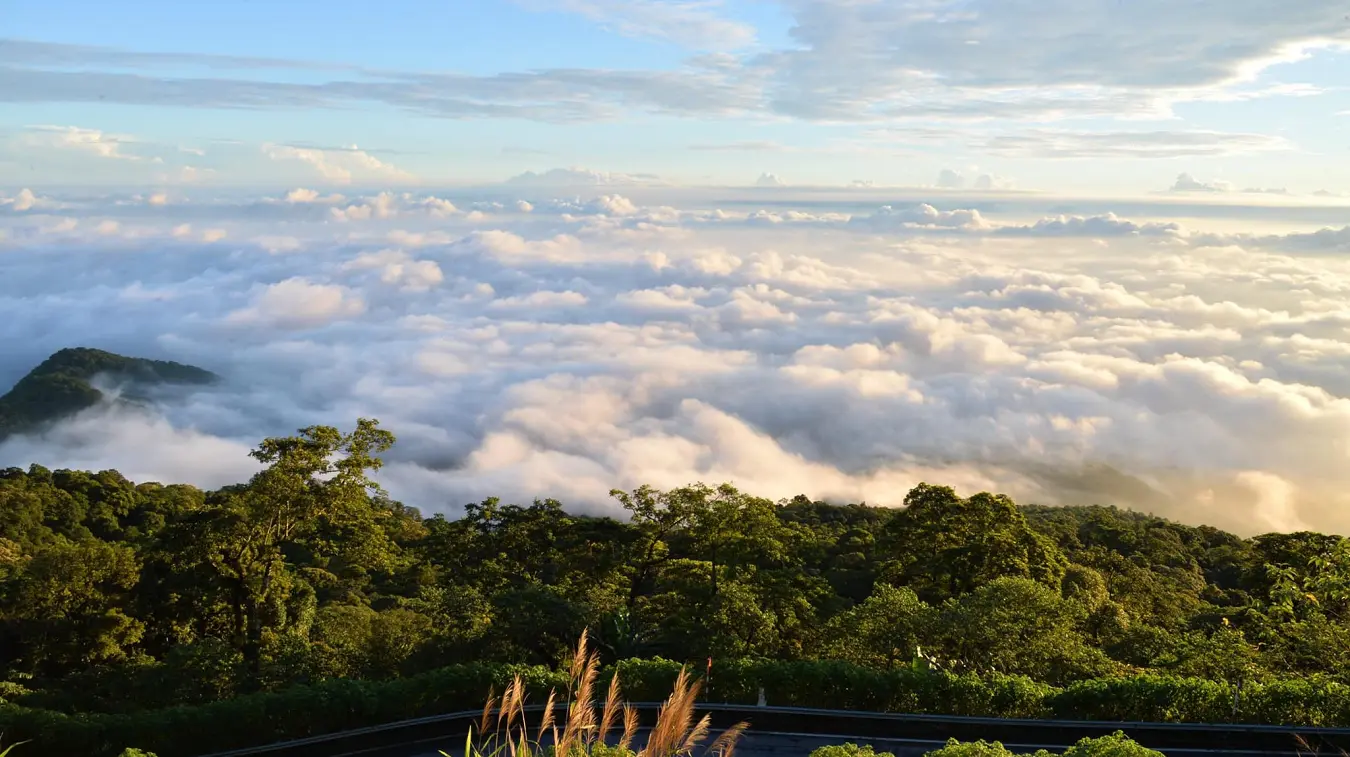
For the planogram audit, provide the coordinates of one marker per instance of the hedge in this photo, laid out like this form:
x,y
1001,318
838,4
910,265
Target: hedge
x,y
342,704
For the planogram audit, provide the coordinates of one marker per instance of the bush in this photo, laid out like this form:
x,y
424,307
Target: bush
x,y
1115,745
1146,698
336,705
955,748
848,749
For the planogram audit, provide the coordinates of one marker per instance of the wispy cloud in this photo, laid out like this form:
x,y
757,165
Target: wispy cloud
x,y
1128,144
339,166
748,146
695,24
75,138
1187,183
846,62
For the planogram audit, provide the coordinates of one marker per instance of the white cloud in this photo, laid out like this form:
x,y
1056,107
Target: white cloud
x,y
1108,225
340,166
615,205
989,182
922,216
381,206
542,300
1187,183
23,201
1062,144
75,138
559,354
580,177
769,180
859,59
397,268
836,61
302,195
297,303
949,179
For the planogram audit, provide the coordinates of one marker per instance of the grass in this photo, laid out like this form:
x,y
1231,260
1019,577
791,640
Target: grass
x,y
502,731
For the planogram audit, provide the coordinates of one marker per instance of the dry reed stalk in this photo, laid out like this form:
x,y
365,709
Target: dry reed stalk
x,y
549,706
675,733
630,726
580,726
586,701
513,704
611,710
579,658
673,719
725,745
699,732
483,723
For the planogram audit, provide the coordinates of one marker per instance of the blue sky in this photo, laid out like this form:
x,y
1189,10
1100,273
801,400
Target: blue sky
x,y
1072,96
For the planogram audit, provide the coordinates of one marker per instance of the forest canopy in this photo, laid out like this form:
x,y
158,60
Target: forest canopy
x,y
117,596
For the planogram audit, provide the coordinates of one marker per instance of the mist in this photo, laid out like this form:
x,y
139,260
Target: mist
x,y
530,345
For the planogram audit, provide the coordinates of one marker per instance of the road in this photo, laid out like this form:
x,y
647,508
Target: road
x,y
777,744
795,732
787,744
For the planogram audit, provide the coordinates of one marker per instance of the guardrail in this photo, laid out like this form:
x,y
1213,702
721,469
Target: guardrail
x,y
448,731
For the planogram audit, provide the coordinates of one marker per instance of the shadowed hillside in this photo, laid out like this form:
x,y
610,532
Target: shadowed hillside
x,y
61,386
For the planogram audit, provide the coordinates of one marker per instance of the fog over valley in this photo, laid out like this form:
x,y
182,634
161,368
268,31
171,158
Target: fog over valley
x,y
536,339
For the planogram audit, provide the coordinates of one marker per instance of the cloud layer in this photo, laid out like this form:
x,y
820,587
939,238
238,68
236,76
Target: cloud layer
x,y
842,60
525,345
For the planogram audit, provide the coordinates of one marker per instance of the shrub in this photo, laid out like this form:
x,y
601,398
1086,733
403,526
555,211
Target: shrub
x,y
848,749
336,705
1115,745
981,748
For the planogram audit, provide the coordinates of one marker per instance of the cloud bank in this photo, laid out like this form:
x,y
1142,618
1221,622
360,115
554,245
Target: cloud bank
x,y
524,345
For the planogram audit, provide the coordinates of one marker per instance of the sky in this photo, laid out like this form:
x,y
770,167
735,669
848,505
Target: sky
x,y
1099,96
1076,252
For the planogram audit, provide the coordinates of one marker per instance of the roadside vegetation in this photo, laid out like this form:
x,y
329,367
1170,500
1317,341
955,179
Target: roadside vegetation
x,y
305,600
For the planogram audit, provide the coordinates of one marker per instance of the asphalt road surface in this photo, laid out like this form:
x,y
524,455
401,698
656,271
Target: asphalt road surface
x,y
779,744
795,732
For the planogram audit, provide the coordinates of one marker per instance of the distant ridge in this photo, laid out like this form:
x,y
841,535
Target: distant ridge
x,y
60,386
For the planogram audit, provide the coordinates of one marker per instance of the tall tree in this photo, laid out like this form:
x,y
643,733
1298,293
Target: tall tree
x,y
314,483
944,545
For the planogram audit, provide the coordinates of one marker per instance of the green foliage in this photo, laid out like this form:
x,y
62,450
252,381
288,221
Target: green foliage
x,y
1115,745
339,704
946,546
1018,626
848,749
980,748
305,599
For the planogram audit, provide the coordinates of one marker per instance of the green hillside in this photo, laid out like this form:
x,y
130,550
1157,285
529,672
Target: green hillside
x,y
61,387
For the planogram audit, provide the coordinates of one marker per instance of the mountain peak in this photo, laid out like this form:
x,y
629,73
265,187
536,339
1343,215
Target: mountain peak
x,y
62,386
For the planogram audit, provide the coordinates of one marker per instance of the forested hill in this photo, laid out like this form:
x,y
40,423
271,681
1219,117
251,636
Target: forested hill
x,y
116,595
62,385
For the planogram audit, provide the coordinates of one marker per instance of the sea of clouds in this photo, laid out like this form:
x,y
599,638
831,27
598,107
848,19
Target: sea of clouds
x,y
1190,359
